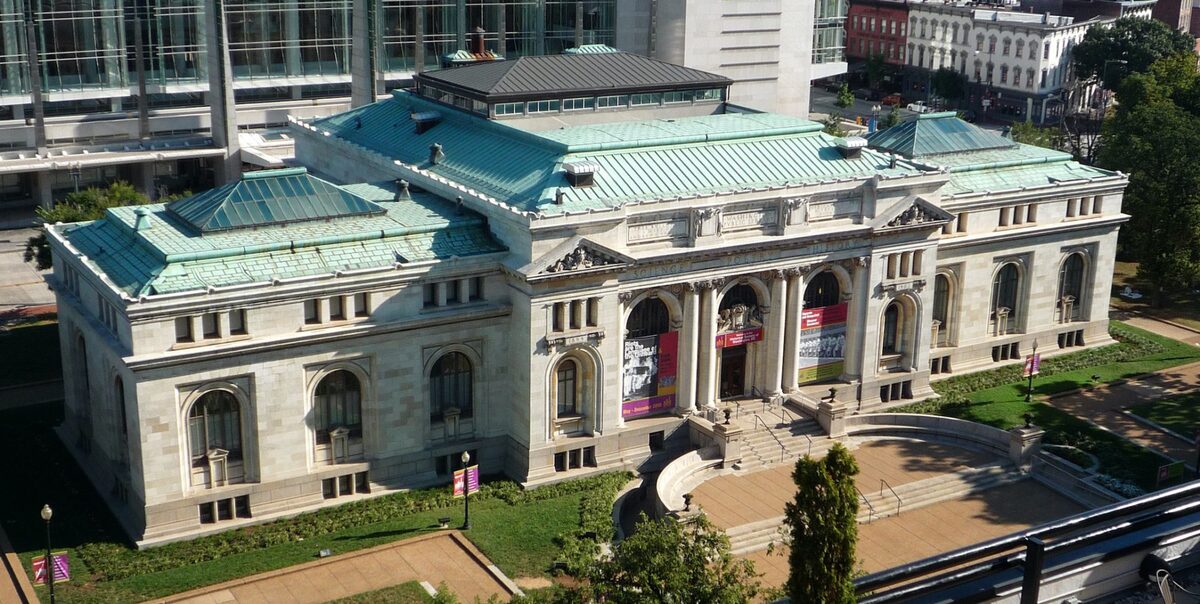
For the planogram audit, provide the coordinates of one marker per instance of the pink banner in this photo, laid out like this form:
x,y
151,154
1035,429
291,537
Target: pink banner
x,y
737,338
647,406
62,568
1033,364
460,481
473,479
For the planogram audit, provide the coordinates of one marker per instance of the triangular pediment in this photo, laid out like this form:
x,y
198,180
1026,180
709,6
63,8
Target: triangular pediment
x,y
912,212
576,256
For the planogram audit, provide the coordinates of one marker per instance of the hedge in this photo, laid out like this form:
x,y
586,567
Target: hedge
x,y
595,523
112,561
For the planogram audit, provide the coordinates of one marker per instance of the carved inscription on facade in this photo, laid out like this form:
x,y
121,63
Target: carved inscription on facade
x,y
658,230
744,221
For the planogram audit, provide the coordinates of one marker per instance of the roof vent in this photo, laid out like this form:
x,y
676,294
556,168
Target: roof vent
x,y
559,197
142,220
477,42
581,173
425,120
402,192
435,154
851,147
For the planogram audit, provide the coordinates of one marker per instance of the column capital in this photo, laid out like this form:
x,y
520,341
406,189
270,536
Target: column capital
x,y
624,296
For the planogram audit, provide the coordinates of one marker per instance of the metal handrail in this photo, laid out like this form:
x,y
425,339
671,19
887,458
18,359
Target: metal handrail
x,y
870,508
782,449
899,501
738,406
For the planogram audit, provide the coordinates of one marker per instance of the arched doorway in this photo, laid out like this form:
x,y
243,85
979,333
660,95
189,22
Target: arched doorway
x,y
739,324
822,338
649,365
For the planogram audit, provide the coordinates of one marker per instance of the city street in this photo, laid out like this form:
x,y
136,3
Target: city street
x,y
824,102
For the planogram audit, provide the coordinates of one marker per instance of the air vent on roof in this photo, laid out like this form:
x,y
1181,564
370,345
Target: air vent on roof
x,y
581,173
851,147
425,120
435,154
142,220
402,192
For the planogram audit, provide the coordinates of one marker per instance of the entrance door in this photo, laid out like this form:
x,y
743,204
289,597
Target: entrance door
x,y
733,371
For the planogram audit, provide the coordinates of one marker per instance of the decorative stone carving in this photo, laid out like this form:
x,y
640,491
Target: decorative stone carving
x,y
739,317
707,221
862,261
795,210
624,296
1002,320
915,214
580,259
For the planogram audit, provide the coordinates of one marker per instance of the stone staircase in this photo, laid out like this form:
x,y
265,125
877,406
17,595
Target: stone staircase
x,y
757,536
761,440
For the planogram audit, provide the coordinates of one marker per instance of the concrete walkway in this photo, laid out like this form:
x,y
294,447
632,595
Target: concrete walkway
x,y
733,500
20,284
940,527
445,556
15,587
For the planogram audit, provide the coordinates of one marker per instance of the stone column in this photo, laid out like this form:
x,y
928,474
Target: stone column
x,y
856,318
791,333
776,325
685,399
706,380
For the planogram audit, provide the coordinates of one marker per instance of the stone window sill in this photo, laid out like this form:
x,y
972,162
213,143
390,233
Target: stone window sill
x,y
333,323
210,341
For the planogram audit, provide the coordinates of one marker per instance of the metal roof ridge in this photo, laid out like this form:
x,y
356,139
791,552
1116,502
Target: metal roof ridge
x,y
685,139
1012,163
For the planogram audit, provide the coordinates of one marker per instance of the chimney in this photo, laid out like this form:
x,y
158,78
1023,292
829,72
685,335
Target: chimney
x,y
477,45
402,192
435,154
458,205
142,220
559,197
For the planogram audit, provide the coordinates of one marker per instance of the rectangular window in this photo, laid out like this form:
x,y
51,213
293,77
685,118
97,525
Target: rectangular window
x,y
560,462
510,108
1005,216
475,290
1085,206
207,514
429,292
237,322
647,98
451,292
345,485
658,441
962,222
1031,213
224,509
1046,51
605,102
329,488
556,319
1072,207
360,305
542,106
709,94
361,485
1018,216
312,312
241,506
593,312
682,96
337,311
578,104
576,314
1097,206
209,326
183,329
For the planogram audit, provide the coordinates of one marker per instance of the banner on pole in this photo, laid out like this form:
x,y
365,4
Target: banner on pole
x,y
473,479
62,568
460,482
1033,363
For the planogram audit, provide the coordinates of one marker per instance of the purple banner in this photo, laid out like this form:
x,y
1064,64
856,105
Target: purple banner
x,y
647,406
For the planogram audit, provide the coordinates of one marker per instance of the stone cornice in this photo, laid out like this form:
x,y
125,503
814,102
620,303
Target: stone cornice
x,y
1108,222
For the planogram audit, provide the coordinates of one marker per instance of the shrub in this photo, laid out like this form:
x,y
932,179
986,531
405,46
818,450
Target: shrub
x,y
595,517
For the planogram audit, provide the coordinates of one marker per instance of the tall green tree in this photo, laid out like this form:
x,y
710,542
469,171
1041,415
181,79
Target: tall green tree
x,y
876,66
1173,79
1153,141
823,529
949,84
81,206
1130,45
667,560
1049,137
891,119
845,98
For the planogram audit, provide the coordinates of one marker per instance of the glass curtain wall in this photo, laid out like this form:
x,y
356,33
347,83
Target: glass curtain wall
x,y
14,68
82,44
398,32
561,21
517,20
829,32
288,38
177,49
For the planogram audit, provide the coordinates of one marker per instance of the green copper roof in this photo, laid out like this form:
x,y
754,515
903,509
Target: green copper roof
x,y
270,197
936,134
171,256
637,160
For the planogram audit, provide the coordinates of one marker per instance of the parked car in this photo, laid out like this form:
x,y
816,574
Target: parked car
x,y
867,94
893,100
919,107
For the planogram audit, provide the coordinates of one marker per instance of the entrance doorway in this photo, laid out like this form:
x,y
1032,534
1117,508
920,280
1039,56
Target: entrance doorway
x,y
733,371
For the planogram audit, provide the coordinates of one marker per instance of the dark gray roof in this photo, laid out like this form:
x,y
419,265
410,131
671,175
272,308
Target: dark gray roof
x,y
563,75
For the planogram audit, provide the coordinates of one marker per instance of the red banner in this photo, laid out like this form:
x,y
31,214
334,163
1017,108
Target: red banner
x,y
460,481
468,479
737,338
62,569
1033,363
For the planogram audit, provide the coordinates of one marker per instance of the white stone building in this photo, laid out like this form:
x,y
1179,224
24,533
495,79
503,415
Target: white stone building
x,y
549,270
1017,64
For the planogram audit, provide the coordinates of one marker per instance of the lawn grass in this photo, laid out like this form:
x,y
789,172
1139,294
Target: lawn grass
x,y
405,593
36,345
1181,308
1180,414
1003,406
517,530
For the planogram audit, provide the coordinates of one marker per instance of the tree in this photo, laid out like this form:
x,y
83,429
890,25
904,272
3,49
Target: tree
x,y
892,118
667,560
844,97
1174,79
81,206
1130,45
875,68
1025,132
1153,142
833,125
949,84
823,525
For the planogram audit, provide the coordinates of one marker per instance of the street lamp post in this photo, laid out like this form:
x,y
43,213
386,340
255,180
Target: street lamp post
x,y
874,117
47,514
76,172
1032,361
466,458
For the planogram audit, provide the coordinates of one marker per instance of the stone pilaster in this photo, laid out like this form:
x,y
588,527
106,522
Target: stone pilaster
x,y
685,400
706,380
791,333
776,326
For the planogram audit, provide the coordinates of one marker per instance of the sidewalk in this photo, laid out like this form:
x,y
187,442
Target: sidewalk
x,y
445,556
14,582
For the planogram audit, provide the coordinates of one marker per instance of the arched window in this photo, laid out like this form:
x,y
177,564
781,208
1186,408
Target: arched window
x,y
891,329
215,422
941,307
567,380
1004,292
650,317
337,403
739,294
450,385
822,290
1070,283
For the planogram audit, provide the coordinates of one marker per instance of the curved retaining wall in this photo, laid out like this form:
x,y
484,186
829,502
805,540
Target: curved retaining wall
x,y
681,476
944,429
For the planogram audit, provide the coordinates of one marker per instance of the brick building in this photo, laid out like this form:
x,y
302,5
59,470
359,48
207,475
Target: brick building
x,y
877,27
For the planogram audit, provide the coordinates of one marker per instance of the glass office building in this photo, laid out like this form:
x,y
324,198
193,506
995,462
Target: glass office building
x,y
829,32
